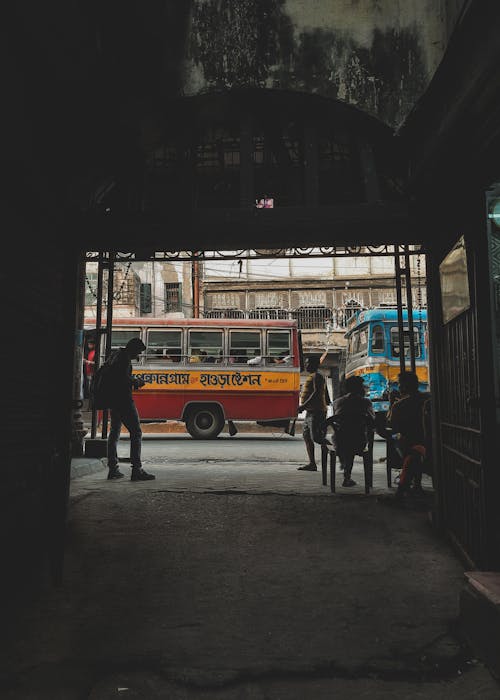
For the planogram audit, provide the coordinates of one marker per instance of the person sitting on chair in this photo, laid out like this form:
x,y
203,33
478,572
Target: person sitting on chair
x,y
406,417
353,420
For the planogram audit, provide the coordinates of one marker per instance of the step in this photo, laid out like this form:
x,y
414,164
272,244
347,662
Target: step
x,y
480,616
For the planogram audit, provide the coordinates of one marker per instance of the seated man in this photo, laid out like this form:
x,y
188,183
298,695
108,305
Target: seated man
x,y
406,418
354,421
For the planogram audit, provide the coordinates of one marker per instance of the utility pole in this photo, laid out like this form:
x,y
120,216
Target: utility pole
x,y
195,277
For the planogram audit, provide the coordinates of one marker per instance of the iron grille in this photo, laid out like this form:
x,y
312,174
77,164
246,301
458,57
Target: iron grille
x,y
173,296
312,318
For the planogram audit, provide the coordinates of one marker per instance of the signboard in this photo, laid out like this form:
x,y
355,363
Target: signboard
x,y
454,278
215,380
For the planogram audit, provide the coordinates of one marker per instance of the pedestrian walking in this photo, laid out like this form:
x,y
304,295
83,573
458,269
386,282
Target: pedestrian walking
x,y
314,400
123,410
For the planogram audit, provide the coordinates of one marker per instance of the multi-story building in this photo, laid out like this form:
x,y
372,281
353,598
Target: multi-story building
x,y
321,293
156,289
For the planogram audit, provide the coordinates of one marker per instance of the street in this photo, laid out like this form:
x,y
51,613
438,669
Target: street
x,y
249,462
234,576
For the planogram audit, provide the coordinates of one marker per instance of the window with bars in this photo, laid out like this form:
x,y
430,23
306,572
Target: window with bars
x,y
224,313
312,318
172,296
268,313
145,301
346,312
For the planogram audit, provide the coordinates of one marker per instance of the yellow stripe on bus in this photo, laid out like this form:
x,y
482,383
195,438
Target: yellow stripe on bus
x,y
390,372
217,380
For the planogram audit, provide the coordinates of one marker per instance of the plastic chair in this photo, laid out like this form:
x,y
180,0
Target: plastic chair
x,y
328,451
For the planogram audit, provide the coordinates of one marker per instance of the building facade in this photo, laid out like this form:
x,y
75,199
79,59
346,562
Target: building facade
x,y
321,293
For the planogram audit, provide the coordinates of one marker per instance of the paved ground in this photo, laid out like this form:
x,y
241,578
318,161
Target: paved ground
x,y
249,463
243,579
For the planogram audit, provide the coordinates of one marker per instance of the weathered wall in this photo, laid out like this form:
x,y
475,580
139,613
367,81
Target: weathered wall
x,y
376,54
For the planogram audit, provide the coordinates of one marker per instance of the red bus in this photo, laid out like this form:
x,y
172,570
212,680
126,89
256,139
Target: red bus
x,y
209,371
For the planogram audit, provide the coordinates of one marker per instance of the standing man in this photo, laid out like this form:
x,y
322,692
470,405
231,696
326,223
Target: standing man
x,y
123,410
314,400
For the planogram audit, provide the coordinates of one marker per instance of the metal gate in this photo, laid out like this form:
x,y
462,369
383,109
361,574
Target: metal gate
x,y
461,467
460,406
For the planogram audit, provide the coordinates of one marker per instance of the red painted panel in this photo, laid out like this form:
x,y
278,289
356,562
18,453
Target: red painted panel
x,y
236,405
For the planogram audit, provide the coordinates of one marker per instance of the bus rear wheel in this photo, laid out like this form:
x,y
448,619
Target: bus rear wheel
x,y
204,422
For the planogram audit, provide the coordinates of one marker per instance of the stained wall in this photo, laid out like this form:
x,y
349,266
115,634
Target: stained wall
x,y
378,55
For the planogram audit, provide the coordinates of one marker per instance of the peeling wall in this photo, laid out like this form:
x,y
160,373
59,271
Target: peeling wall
x,y
376,54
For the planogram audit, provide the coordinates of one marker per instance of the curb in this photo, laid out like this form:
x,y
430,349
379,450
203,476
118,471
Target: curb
x,y
81,466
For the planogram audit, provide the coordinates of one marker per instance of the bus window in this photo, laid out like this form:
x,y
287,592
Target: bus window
x,y
205,346
363,340
278,346
378,340
164,345
350,345
120,338
355,342
395,342
244,345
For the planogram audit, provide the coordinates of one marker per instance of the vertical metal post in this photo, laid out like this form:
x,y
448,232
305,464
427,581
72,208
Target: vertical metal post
x,y
195,274
399,299
98,324
409,306
109,328
79,432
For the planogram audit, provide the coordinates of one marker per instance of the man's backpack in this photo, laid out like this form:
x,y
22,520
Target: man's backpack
x,y
103,386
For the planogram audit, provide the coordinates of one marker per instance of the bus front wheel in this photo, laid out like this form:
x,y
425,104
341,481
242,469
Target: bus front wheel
x,y
204,422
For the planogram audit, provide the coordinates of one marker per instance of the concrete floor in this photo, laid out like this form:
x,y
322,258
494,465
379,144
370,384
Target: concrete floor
x,y
186,588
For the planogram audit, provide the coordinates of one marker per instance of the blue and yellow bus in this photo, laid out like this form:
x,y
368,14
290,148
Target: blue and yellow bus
x,y
373,351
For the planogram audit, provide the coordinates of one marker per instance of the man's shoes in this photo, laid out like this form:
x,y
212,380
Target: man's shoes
x,y
417,491
308,468
348,482
141,475
115,473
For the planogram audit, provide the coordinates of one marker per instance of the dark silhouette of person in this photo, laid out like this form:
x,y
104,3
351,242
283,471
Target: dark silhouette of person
x,y
353,420
407,419
123,410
